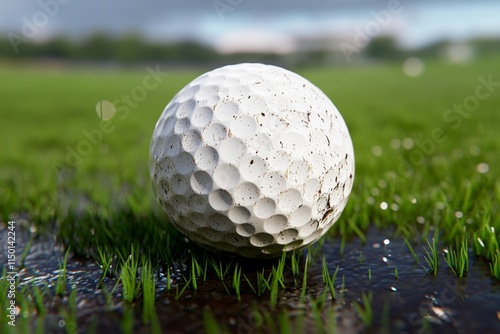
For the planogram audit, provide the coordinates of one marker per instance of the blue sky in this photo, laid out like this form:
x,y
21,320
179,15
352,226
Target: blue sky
x,y
255,23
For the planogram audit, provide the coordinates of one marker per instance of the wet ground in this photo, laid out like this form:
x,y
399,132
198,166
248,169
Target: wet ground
x,y
415,302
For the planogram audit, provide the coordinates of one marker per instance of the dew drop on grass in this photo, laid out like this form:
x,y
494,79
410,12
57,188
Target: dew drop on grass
x,y
396,143
420,220
480,241
407,143
458,214
387,242
377,151
475,150
413,67
384,206
440,205
482,168
105,110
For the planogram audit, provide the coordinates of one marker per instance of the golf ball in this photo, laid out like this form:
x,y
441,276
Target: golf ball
x,y
253,160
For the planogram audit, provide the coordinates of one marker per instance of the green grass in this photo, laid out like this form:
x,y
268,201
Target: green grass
x,y
458,258
102,207
432,257
62,277
149,292
131,287
364,308
412,251
328,280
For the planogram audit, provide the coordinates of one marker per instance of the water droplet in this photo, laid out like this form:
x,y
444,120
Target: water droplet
x,y
105,110
440,205
413,67
387,241
482,168
458,214
394,289
480,241
420,220
396,143
408,143
377,151
475,150
383,206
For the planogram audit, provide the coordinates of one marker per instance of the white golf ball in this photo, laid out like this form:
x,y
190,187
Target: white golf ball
x,y
253,160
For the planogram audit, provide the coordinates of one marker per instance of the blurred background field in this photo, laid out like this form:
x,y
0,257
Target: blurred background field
x,y
418,84
49,112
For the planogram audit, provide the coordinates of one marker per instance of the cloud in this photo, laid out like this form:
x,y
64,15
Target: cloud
x,y
117,15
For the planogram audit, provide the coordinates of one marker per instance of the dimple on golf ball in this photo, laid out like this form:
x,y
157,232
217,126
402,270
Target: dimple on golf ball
x,y
253,160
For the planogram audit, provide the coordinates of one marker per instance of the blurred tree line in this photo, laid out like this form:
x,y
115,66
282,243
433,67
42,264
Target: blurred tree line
x,y
101,47
132,49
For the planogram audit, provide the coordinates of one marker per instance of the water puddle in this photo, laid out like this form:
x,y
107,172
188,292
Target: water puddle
x,y
404,297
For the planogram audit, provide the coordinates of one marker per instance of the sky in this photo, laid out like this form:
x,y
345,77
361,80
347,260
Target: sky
x,y
255,25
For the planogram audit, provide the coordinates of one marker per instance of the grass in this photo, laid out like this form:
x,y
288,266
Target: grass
x,y
364,308
148,292
458,258
131,287
328,280
62,277
432,257
106,262
237,281
412,251
495,266
102,208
